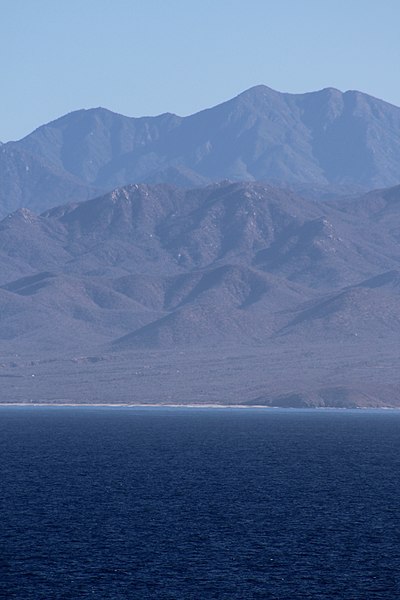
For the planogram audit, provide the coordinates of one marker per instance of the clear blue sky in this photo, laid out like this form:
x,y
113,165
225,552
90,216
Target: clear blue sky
x,y
152,56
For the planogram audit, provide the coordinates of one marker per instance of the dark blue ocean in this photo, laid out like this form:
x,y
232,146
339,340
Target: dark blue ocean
x,y
185,504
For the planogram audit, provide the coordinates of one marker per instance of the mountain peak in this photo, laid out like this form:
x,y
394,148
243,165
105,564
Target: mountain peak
x,y
260,89
266,90
322,138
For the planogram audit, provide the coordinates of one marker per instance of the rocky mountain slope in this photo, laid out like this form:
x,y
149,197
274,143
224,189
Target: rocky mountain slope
x,y
342,141
159,276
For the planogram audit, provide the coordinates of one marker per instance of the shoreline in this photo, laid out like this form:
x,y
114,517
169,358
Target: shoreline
x,y
132,405
189,405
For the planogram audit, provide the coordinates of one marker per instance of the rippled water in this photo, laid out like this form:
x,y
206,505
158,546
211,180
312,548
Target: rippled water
x,y
197,504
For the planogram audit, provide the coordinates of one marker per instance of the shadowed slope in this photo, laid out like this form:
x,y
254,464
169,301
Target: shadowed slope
x,y
263,296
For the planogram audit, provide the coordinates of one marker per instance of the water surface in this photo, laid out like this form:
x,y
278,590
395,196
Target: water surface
x,y
196,504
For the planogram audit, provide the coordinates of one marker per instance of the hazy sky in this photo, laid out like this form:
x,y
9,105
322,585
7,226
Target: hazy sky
x,y
151,56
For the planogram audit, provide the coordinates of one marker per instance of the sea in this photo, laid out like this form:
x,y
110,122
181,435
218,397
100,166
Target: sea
x,y
199,503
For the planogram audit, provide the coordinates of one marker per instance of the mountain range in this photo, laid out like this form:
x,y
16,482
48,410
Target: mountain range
x,y
319,142
231,292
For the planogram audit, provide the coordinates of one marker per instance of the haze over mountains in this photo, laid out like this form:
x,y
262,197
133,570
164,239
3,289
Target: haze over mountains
x,y
234,292
233,256
350,141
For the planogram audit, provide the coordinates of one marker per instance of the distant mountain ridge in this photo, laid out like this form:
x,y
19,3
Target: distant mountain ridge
x,y
326,138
